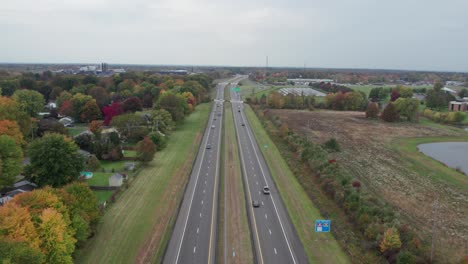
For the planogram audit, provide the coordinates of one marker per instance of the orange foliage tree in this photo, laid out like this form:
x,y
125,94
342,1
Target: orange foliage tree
x,y
16,224
12,129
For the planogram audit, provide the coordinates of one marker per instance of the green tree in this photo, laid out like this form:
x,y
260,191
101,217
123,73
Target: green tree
x,y
9,87
161,120
406,92
355,101
145,150
131,126
175,104
15,252
57,167
436,98
64,96
408,107
79,101
90,111
10,160
30,102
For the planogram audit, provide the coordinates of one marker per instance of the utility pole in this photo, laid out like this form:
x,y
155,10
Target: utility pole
x,y
435,218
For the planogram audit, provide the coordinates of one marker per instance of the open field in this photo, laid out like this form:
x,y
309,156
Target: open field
x,y
367,88
320,247
235,225
137,227
384,158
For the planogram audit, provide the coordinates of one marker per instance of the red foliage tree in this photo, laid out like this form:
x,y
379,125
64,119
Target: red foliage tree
x,y
95,126
110,111
132,104
395,95
390,113
67,108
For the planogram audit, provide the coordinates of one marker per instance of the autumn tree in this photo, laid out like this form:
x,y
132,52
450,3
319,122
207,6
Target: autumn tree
x,y
64,96
95,127
390,113
145,150
394,95
10,160
30,102
100,94
90,111
16,224
11,128
56,243
9,109
66,109
79,101
132,104
372,110
390,241
55,168
110,111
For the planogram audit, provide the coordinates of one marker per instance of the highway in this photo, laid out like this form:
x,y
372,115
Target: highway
x,y
194,237
274,236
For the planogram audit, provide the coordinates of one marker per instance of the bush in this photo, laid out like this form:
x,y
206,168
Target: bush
x,y
159,140
405,257
332,145
372,110
390,113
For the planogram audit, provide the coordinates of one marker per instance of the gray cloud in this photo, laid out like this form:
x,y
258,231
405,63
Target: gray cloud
x,y
399,34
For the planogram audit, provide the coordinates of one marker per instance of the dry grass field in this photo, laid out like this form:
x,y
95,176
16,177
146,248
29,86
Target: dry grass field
x,y
383,156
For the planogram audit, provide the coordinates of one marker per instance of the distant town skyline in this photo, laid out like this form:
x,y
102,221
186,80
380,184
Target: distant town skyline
x,y
364,34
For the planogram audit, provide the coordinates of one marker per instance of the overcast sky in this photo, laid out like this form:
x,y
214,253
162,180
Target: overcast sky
x,y
397,34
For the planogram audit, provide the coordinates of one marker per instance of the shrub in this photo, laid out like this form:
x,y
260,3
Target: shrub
x,y
332,145
390,113
145,150
390,241
372,110
405,257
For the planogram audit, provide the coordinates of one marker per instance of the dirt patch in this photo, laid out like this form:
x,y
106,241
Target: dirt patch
x,y
368,156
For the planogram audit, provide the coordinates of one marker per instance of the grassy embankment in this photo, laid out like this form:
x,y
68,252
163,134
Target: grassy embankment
x,y
138,226
425,165
320,247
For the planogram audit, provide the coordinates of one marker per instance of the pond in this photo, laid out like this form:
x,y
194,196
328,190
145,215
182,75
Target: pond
x,y
453,154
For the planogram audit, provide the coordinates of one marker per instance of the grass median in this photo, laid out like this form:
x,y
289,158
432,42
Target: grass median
x,y
319,247
137,227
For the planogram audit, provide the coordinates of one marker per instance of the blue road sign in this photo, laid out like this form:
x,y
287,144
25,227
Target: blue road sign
x,y
322,225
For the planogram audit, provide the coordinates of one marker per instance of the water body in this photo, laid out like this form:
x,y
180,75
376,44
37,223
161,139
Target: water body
x,y
453,154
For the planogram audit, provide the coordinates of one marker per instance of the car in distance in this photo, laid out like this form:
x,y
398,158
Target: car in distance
x,y
213,126
243,124
255,203
238,111
208,146
266,190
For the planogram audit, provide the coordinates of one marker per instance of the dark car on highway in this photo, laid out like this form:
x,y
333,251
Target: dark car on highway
x,y
255,203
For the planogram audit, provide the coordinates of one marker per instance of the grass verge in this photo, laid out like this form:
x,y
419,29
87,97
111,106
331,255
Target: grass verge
x,y
137,227
320,247
425,165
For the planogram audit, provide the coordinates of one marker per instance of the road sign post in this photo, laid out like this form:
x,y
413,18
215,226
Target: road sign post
x,y
322,226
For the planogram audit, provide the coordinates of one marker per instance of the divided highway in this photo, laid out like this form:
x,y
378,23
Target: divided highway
x,y
194,237
274,236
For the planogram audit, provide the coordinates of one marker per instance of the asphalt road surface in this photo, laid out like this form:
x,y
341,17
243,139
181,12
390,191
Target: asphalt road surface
x,y
194,237
275,239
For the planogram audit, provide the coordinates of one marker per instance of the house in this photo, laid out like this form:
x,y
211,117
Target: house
x,y
66,121
116,180
8,193
460,105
